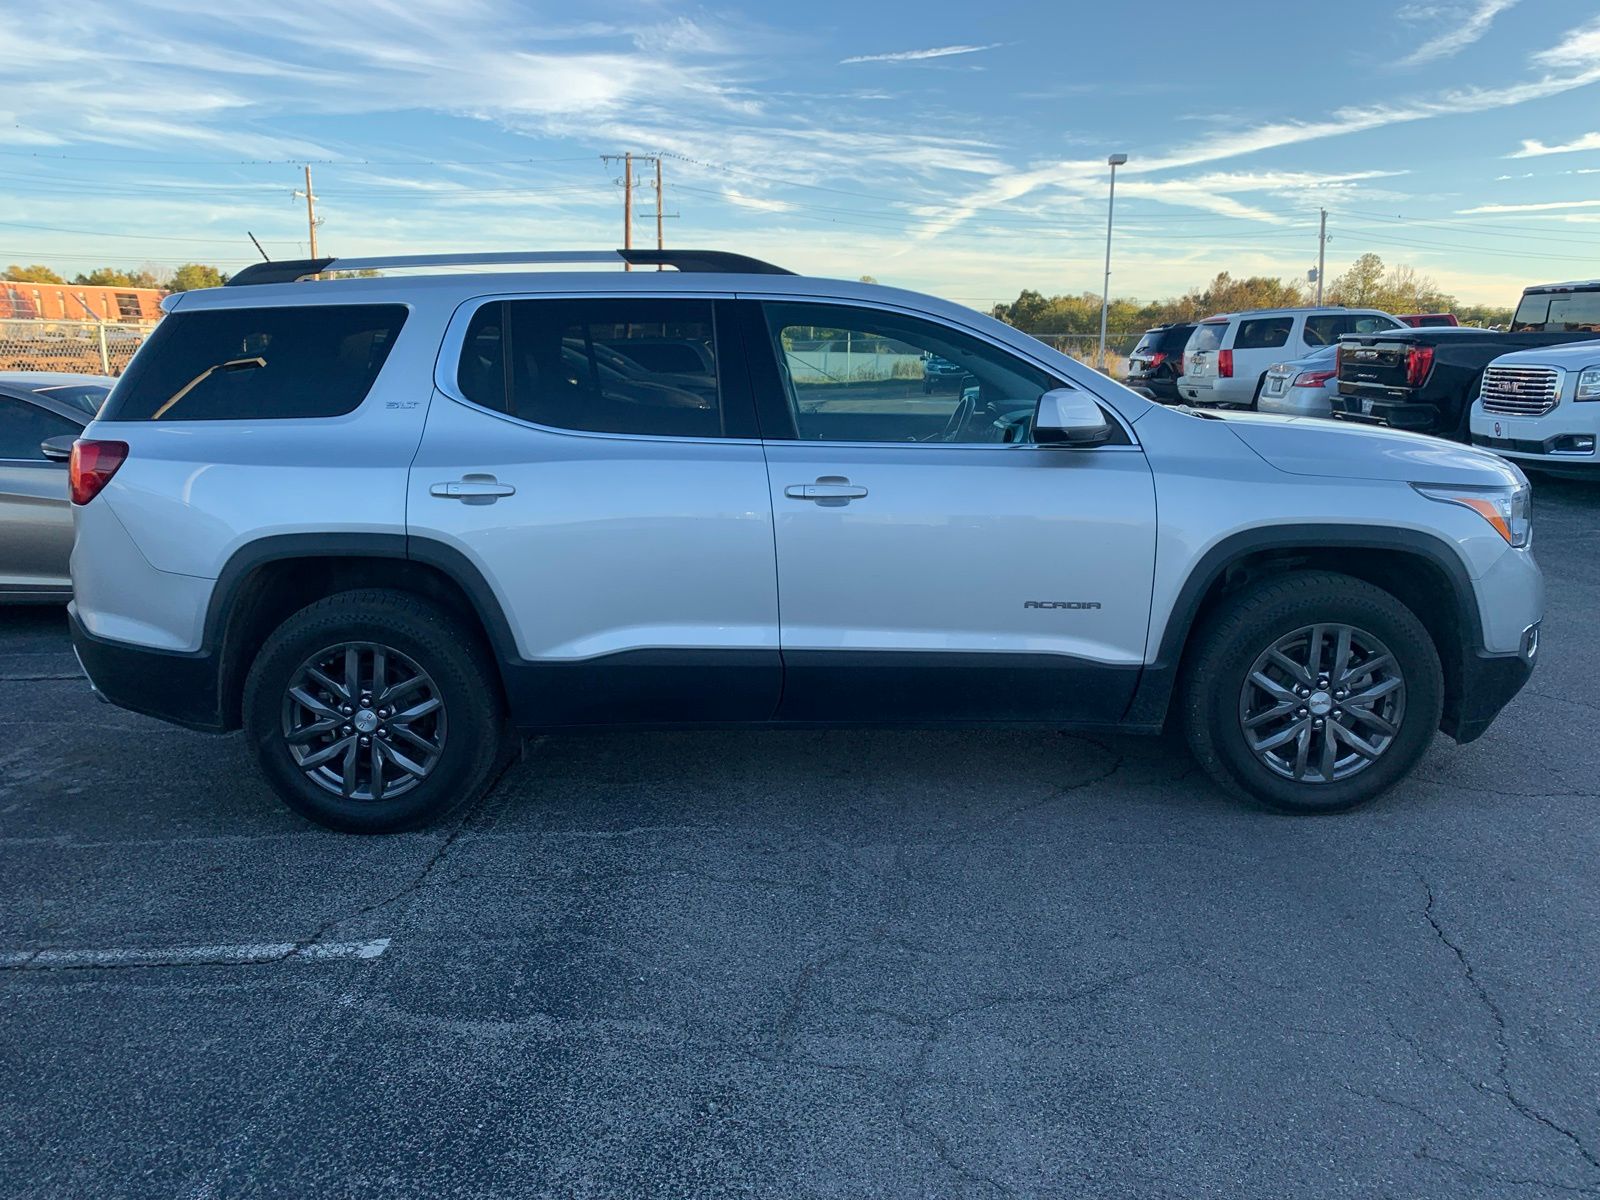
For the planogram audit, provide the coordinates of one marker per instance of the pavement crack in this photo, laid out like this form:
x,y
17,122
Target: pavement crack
x,y
1427,1155
1502,1045
420,880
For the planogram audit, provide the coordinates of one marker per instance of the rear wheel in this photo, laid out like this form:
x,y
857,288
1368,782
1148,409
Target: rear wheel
x,y
1312,692
373,711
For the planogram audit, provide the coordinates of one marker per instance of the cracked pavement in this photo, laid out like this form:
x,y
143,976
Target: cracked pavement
x,y
807,964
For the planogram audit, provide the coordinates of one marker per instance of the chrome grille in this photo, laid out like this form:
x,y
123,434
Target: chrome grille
x,y
1521,391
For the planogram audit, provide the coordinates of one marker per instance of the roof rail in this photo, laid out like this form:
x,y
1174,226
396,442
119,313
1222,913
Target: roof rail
x,y
293,270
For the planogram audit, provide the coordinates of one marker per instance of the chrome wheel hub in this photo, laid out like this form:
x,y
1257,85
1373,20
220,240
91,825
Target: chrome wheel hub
x,y
363,721
1322,703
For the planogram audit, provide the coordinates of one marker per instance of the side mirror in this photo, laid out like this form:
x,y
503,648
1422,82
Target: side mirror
x,y
1068,417
58,448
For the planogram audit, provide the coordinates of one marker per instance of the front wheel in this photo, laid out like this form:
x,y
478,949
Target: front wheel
x,y
373,711
1312,692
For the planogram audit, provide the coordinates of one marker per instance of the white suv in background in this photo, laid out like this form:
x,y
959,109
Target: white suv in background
x,y
1541,408
1228,356
381,524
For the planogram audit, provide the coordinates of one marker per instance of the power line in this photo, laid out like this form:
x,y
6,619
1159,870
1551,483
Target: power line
x,y
298,162
153,237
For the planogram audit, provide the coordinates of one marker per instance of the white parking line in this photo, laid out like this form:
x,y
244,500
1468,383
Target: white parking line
x,y
191,956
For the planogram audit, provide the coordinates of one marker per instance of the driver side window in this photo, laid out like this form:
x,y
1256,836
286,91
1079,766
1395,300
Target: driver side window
x,y
860,375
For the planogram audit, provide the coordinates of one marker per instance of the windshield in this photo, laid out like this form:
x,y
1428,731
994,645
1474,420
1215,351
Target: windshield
x,y
87,396
1558,312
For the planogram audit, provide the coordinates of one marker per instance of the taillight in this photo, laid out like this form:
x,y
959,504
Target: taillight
x,y
1225,364
1313,378
1156,359
92,466
1419,361
1338,359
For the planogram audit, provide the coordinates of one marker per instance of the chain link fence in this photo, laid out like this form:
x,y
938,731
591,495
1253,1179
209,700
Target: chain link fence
x,y
82,347
1085,347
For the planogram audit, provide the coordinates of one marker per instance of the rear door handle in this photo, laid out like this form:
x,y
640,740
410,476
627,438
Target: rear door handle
x,y
828,490
473,489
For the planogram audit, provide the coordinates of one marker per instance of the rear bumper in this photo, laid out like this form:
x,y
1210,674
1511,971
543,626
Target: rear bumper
x,y
172,685
1163,387
1397,414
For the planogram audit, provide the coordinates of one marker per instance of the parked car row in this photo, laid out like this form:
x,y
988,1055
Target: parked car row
x,y
1525,393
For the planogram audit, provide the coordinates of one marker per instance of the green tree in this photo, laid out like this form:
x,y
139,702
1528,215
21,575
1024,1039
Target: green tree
x,y
36,273
191,276
104,277
1361,285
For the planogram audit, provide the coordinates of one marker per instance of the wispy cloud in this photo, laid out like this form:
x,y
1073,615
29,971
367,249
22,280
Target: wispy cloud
x,y
756,203
918,55
1509,208
1572,62
1532,148
1464,27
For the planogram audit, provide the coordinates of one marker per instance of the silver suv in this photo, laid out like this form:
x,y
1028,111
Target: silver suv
x,y
383,523
1227,357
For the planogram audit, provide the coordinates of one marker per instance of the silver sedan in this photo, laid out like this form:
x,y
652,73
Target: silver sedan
x,y
1301,388
40,415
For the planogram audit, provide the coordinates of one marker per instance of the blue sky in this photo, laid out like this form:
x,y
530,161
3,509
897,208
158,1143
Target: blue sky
x,y
950,147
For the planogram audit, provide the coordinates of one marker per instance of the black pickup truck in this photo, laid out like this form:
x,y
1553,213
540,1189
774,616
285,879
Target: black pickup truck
x,y
1427,379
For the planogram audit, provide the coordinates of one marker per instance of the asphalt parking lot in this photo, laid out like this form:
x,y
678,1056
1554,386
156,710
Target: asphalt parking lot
x,y
806,964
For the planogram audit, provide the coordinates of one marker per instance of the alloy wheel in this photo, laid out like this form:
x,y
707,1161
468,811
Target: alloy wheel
x,y
1322,703
363,721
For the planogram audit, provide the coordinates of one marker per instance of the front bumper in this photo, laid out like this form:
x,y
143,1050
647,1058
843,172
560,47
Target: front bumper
x,y
174,686
1488,682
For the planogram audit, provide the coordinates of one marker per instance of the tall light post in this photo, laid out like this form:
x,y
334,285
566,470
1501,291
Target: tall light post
x,y
1115,161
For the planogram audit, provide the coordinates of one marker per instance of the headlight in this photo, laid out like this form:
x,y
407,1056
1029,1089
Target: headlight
x,y
1589,384
1509,510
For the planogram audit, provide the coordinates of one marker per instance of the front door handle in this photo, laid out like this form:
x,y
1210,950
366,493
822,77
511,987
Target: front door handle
x,y
829,490
473,489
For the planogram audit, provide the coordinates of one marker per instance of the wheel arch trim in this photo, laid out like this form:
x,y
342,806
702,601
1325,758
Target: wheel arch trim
x,y
1159,678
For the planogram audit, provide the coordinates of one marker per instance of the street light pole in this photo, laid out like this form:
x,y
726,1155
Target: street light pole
x,y
1115,161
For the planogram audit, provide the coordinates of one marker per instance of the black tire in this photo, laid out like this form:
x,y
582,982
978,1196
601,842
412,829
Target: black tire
x,y
1255,396
1228,645
468,727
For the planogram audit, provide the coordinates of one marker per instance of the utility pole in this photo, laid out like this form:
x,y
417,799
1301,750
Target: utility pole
x,y
627,206
311,211
627,199
1322,248
661,243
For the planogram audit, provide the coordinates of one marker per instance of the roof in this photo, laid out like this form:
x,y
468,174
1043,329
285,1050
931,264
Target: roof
x,y
1569,284
1292,309
38,379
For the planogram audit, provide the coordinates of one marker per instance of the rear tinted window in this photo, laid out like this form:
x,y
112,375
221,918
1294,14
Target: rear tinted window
x,y
1173,340
1149,342
1207,335
245,364
580,364
1558,312
1263,333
